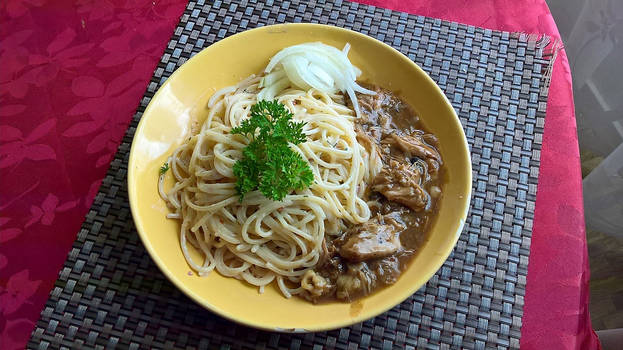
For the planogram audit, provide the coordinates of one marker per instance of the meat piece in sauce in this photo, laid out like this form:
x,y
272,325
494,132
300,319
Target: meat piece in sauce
x,y
416,145
378,112
358,280
376,238
328,251
376,158
368,143
387,270
398,182
315,284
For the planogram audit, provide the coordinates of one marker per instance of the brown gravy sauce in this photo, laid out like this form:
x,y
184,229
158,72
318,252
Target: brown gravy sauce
x,y
369,256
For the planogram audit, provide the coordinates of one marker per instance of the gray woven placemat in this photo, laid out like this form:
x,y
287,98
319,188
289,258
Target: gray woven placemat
x,y
110,294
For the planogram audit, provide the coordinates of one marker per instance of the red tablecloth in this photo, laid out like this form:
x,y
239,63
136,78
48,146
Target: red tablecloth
x,y
72,74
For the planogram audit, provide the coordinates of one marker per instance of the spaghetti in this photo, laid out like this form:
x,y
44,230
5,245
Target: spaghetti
x,y
260,240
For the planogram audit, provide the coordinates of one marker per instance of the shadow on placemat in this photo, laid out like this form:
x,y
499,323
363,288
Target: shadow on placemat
x,y
110,293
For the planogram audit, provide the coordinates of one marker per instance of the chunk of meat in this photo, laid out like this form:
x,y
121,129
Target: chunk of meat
x,y
357,281
315,284
384,121
398,182
373,103
376,159
328,251
387,270
415,145
376,238
367,142
377,112
431,140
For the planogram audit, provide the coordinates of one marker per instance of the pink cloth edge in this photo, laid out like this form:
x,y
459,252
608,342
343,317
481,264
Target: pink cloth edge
x,y
538,331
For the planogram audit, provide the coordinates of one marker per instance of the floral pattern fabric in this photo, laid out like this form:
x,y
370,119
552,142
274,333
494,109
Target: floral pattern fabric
x,y
71,76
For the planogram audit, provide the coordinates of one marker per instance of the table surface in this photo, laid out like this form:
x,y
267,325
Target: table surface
x,y
72,77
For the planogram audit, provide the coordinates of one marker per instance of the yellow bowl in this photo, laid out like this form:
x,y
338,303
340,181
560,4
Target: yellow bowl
x,y
183,96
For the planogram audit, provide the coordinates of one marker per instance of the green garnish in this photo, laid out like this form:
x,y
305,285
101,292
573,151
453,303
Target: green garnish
x,y
268,163
164,168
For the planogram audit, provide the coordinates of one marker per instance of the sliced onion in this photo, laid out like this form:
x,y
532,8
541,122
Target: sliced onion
x,y
346,49
272,78
353,98
295,67
314,65
329,67
323,76
269,93
363,90
307,75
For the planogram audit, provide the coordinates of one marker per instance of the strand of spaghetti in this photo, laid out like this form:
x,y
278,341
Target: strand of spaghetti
x,y
209,262
283,232
287,292
258,281
219,94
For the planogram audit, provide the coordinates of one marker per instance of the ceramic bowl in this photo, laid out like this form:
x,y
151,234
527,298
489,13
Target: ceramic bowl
x,y
166,123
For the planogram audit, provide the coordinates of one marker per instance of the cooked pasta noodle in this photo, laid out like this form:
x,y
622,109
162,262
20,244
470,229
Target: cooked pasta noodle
x,y
260,240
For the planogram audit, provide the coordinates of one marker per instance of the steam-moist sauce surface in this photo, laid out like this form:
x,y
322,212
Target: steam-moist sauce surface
x,y
403,198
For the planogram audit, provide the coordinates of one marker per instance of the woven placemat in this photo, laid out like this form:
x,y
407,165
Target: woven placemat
x,y
110,294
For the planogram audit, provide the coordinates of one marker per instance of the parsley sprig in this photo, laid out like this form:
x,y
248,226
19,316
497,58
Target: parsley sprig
x,y
268,163
164,168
